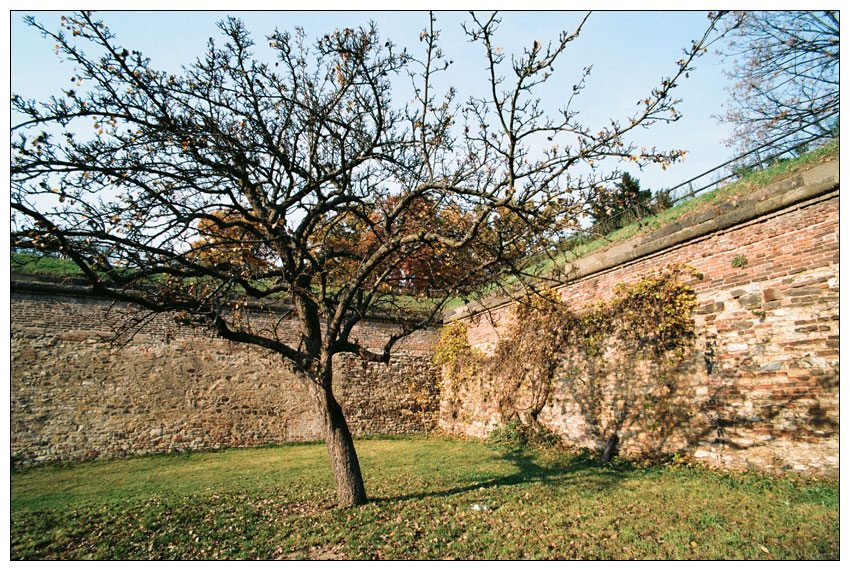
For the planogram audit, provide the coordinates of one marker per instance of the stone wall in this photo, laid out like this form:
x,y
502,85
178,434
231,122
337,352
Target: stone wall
x,y
76,394
758,386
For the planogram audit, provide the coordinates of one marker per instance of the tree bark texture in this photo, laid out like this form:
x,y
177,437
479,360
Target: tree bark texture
x,y
344,462
610,448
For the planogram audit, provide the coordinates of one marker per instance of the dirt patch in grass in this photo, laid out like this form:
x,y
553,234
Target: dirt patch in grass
x,y
320,553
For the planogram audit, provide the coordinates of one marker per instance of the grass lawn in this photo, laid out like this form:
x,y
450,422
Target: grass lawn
x,y
279,502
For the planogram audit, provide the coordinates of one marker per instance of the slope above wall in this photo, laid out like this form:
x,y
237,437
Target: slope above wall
x,y
801,187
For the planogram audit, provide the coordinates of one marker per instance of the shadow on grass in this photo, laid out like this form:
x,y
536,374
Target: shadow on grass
x,y
562,471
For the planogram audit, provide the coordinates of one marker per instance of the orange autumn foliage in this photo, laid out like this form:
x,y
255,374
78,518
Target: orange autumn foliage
x,y
231,240
349,238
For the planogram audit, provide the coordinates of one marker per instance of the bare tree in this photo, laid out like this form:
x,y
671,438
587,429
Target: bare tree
x,y
785,77
239,181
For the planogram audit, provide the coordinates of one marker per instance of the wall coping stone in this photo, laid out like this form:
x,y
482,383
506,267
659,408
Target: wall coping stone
x,y
78,287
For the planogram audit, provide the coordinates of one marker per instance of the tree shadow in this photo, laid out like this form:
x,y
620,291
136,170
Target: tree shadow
x,y
615,396
562,470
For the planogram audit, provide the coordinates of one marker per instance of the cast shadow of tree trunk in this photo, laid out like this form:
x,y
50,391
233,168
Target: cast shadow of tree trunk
x,y
561,471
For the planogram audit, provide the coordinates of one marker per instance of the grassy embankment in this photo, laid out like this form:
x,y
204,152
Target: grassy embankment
x,y
752,181
65,268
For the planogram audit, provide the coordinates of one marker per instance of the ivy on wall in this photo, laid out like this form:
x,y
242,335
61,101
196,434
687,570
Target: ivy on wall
x,y
461,362
614,360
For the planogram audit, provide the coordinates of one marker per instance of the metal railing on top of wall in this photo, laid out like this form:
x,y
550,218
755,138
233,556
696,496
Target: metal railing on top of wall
x,y
685,190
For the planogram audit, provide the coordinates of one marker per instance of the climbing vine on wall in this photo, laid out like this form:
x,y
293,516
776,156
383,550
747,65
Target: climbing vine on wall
x,y
648,323
460,361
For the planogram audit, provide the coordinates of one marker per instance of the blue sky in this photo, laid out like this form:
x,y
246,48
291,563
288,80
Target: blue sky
x,y
630,53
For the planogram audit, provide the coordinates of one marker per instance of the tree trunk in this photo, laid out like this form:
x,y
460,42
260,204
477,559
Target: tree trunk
x,y
610,448
346,468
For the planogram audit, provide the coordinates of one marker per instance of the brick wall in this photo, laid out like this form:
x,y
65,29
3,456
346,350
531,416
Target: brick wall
x,y
759,384
75,394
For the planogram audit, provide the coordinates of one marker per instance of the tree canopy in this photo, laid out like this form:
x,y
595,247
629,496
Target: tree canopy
x,y
303,178
785,77
621,205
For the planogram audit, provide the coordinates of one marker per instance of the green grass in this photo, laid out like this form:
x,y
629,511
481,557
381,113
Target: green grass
x,y
753,181
63,268
279,502
44,265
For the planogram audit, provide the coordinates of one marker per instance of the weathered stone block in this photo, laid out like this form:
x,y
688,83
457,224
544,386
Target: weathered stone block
x,y
771,294
750,301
